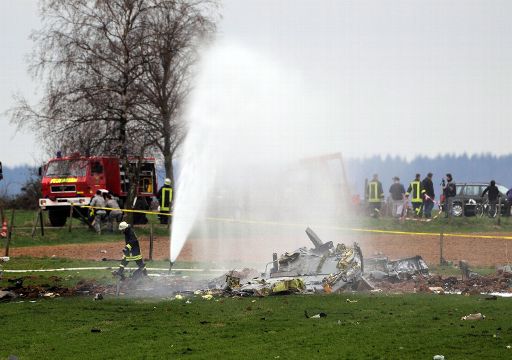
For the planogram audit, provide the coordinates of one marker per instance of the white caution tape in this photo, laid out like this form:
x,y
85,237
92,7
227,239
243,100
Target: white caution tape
x,y
110,268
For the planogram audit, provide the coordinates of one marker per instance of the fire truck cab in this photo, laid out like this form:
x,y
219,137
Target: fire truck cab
x,y
75,179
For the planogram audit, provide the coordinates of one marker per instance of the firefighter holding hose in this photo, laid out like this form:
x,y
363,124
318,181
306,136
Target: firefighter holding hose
x,y
131,252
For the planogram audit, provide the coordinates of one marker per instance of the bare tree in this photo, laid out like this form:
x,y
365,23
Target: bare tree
x,y
176,31
116,73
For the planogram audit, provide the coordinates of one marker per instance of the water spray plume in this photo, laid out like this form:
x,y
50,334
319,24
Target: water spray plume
x,y
251,125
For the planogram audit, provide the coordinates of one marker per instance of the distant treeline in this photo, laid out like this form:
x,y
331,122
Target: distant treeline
x,y
483,167
15,178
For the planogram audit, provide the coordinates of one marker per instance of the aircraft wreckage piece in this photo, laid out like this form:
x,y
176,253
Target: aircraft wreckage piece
x,y
324,266
402,269
342,266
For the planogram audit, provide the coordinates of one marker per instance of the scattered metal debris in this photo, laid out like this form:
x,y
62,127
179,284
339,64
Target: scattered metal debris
x,y
50,295
477,316
466,271
316,316
506,268
7,295
233,278
397,270
436,289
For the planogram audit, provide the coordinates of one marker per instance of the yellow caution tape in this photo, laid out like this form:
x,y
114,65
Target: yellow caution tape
x,y
125,210
330,227
327,227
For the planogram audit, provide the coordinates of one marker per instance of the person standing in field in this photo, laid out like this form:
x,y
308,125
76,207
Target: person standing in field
x,y
164,197
414,192
492,194
449,192
428,195
375,195
131,252
98,214
115,215
397,192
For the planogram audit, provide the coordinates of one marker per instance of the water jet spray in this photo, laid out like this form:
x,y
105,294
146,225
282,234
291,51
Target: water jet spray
x,y
251,121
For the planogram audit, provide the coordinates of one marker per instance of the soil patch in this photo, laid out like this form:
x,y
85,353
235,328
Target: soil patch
x,y
476,251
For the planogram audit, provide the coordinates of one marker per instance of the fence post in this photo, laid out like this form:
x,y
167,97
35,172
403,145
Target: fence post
x,y
34,222
41,222
441,245
70,216
9,234
151,241
499,210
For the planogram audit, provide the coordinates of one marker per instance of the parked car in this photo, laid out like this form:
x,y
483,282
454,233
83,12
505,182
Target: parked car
x,y
469,198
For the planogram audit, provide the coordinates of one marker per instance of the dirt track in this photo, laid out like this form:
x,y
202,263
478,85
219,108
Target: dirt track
x,y
478,252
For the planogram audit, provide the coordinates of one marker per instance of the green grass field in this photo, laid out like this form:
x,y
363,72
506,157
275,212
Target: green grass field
x,y
406,326
79,234
410,326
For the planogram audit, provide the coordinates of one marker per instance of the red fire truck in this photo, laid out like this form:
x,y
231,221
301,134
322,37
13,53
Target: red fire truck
x,y
74,180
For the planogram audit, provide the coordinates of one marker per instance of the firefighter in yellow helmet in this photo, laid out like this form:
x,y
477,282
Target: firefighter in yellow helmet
x,y
164,197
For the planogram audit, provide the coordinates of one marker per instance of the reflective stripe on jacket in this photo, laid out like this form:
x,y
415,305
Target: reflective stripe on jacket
x,y
375,192
414,188
165,197
132,248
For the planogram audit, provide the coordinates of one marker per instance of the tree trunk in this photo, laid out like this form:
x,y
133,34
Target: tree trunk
x,y
169,172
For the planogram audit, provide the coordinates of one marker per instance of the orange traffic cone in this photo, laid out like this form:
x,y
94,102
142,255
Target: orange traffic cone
x,y
4,229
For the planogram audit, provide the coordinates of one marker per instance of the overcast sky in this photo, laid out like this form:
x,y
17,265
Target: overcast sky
x,y
379,77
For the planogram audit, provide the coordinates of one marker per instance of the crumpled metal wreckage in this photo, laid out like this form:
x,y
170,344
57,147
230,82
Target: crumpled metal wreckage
x,y
397,270
323,268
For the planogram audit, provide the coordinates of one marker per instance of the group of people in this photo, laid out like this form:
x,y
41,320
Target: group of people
x,y
420,193
104,199
105,207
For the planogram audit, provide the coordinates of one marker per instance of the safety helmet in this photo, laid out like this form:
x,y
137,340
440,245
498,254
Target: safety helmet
x,y
167,181
123,225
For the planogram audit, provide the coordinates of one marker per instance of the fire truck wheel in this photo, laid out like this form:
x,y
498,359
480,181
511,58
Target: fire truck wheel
x,y
58,217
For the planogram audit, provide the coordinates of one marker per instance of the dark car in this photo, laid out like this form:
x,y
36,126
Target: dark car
x,y
469,198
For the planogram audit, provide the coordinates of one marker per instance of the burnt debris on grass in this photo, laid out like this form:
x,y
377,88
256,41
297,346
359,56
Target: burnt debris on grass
x,y
324,268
